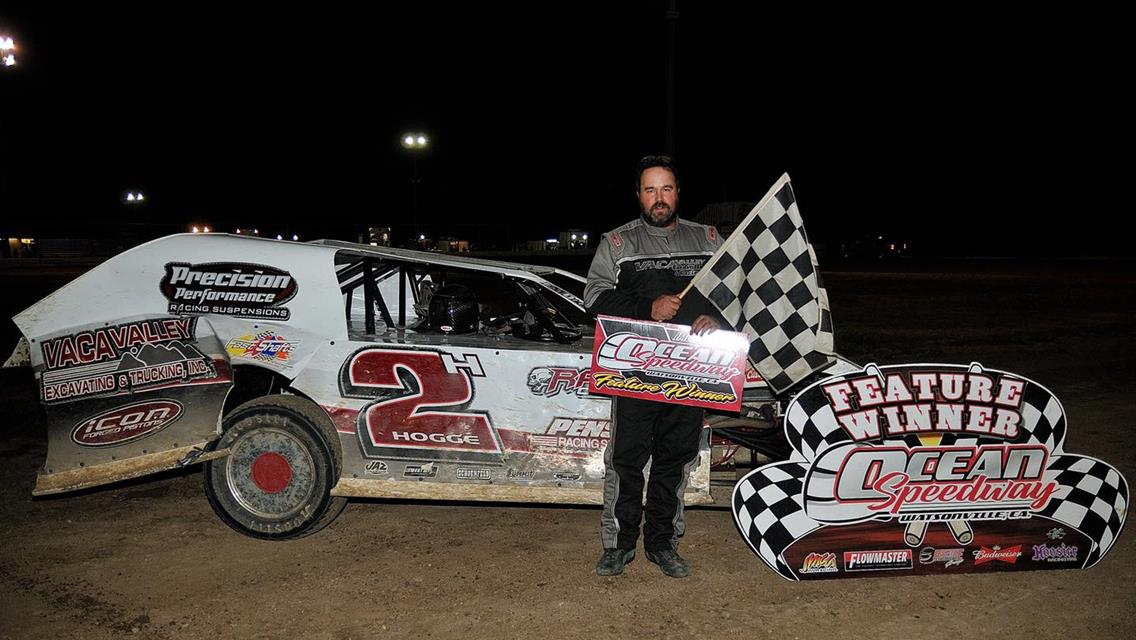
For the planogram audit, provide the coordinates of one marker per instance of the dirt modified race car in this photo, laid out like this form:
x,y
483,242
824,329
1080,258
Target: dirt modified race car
x,y
305,374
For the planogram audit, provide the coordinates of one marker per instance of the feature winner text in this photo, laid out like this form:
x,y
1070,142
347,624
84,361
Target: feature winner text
x,y
872,407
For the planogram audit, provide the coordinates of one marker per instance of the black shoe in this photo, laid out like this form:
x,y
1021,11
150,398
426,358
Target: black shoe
x,y
670,563
612,561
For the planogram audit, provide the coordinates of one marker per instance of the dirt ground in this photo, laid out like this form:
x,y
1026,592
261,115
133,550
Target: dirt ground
x,y
149,559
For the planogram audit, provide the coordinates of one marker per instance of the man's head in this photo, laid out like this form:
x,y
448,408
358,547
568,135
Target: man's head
x,y
657,188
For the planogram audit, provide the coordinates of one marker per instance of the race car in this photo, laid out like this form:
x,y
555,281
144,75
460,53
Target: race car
x,y
303,374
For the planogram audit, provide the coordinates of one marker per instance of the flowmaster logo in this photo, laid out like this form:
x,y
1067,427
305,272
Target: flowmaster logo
x,y
877,560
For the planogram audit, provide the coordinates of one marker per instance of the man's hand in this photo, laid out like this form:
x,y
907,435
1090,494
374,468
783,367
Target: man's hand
x,y
665,307
704,324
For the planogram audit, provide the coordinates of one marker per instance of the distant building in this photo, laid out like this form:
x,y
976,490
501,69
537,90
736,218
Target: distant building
x,y
573,239
451,245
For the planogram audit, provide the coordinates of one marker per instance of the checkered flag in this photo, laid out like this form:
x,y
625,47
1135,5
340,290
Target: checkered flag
x,y
764,281
1092,497
769,514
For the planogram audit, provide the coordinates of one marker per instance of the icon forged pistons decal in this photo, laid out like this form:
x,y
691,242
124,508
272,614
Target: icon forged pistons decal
x,y
266,346
419,405
553,381
129,357
228,288
935,453
123,424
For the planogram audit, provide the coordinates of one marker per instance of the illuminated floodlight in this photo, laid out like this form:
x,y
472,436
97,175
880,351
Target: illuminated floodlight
x,y
415,140
196,230
9,60
295,237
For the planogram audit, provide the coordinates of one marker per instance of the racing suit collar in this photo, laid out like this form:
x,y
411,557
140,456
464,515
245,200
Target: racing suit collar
x,y
661,231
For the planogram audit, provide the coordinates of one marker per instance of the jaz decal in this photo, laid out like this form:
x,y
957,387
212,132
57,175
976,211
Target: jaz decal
x,y
553,381
419,405
123,424
667,363
950,459
228,288
128,357
266,346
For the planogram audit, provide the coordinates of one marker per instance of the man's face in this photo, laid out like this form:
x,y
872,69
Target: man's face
x,y
658,196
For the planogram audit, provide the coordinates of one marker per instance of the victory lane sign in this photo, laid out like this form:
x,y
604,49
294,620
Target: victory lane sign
x,y
667,363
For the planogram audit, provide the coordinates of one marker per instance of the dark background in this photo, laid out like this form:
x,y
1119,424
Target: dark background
x,y
960,130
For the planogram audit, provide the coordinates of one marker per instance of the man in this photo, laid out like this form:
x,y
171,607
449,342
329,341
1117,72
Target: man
x,y
637,272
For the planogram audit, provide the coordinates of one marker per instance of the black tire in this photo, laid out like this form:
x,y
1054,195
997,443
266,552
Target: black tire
x,y
276,483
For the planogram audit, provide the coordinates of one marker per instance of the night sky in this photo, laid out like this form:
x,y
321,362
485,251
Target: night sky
x,y
966,133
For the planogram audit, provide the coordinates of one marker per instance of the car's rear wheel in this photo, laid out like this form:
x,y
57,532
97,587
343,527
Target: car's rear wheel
x,y
276,481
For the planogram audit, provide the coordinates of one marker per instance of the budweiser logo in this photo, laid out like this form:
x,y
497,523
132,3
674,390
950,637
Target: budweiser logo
x,y
1008,555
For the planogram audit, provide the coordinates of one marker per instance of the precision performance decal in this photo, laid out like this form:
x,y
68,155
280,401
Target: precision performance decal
x,y
228,288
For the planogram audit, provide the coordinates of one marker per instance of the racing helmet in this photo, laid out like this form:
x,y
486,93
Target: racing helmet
x,y
454,309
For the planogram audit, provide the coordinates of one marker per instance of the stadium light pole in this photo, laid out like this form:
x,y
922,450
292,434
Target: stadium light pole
x,y
414,143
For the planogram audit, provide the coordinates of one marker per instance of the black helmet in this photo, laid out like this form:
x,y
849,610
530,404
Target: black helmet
x,y
454,309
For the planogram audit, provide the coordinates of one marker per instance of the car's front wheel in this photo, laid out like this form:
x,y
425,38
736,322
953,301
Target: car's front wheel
x,y
283,461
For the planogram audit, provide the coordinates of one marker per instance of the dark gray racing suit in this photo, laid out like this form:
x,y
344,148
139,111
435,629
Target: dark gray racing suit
x,y
633,265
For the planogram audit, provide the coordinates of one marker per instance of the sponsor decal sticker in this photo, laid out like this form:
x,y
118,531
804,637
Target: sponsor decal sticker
x,y
266,346
819,563
553,381
420,471
1009,555
1062,553
949,557
573,434
126,423
907,454
375,467
518,474
228,288
877,560
464,473
121,359
566,475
